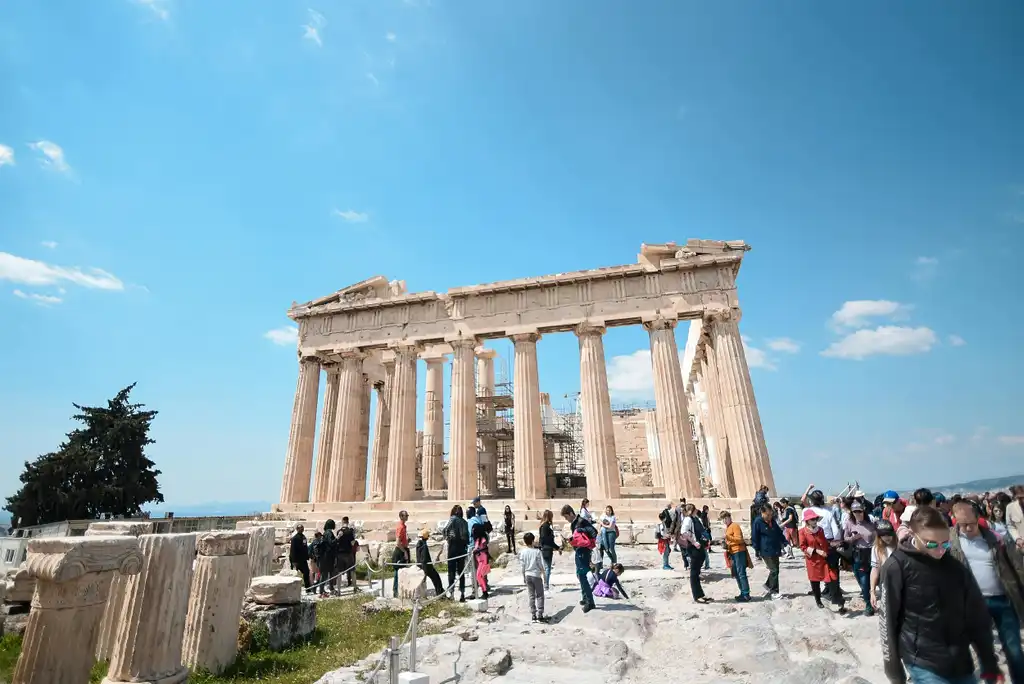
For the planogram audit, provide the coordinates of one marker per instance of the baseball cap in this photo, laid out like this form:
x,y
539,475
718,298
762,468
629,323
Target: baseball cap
x,y
890,496
859,494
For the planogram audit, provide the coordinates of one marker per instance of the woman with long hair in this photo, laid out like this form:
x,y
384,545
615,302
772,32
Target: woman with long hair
x,y
547,545
859,532
510,529
607,533
885,544
456,533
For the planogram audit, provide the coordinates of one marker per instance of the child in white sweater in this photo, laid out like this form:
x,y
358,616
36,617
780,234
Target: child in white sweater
x,y
532,563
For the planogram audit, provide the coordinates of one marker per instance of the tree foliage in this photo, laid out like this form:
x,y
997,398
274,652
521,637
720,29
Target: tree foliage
x,y
100,469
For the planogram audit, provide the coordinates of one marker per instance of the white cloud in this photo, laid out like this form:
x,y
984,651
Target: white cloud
x,y
157,7
757,358
391,37
1011,440
925,268
630,376
943,440
956,340
49,244
6,155
352,216
888,340
52,155
312,29
373,79
980,433
784,344
41,299
31,272
858,313
284,336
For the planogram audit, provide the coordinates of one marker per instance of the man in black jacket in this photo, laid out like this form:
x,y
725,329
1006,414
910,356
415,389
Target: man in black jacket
x,y
347,549
298,555
932,611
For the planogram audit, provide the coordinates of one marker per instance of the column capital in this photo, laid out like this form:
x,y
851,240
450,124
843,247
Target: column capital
x,y
62,559
309,358
435,360
458,343
587,328
660,323
404,349
351,355
379,385
525,337
330,367
732,315
485,353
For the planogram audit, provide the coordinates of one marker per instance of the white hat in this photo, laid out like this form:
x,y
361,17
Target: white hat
x,y
858,494
909,511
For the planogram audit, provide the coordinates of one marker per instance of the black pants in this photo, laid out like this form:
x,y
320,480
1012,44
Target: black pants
x,y
833,562
431,572
772,563
696,564
344,562
327,570
832,592
303,567
455,568
510,537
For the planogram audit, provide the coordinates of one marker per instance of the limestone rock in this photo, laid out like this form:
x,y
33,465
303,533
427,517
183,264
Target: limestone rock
x,y
503,560
286,625
261,549
272,590
497,662
21,586
412,583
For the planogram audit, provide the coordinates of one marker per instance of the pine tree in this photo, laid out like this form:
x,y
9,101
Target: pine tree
x,y
100,469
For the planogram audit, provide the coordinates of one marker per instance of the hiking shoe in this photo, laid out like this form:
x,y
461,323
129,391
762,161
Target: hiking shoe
x,y
819,604
587,608
542,619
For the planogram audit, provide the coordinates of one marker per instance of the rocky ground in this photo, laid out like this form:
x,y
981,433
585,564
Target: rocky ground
x,y
660,634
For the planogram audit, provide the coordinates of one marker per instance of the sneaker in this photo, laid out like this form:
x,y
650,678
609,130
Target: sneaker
x,y
462,599
869,611
587,608
819,604
533,618
842,610
774,596
667,567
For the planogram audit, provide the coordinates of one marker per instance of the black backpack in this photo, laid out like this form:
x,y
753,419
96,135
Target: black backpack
x,y
458,533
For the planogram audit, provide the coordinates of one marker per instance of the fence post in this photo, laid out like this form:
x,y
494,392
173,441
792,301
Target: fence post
x,y
395,655
413,632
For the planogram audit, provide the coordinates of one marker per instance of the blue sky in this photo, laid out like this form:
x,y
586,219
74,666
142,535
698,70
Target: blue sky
x,y
173,174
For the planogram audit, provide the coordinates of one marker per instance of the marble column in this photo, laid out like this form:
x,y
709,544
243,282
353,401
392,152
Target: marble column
x,y
345,449
709,375
602,466
742,420
73,577
528,456
381,433
653,450
323,452
220,579
487,444
260,549
358,491
675,440
401,475
148,647
433,426
117,595
298,462
462,459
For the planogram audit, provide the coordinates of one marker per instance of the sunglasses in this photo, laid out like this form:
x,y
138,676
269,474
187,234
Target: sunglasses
x,y
931,546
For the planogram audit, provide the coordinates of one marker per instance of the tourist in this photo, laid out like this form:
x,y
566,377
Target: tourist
x,y
932,611
609,585
608,533
705,519
768,540
760,499
828,525
885,544
585,511
482,559
314,560
998,522
583,536
816,550
661,535
547,545
532,562
695,534
677,516
736,551
479,508
999,571
859,533
298,555
510,529
922,497
456,533
348,547
400,556
1015,516
328,558
892,508
423,560
789,525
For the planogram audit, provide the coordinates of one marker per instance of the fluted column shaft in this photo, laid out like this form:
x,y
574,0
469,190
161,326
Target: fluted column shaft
x,y
742,420
107,634
488,443
401,476
357,491
381,433
709,380
653,448
433,426
155,609
598,431
462,459
346,427
298,462
327,417
675,440
528,456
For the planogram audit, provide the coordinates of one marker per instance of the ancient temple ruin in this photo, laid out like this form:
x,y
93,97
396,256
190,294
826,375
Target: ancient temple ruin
x,y
702,438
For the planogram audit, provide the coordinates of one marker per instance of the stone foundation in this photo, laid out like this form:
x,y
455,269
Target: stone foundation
x,y
286,625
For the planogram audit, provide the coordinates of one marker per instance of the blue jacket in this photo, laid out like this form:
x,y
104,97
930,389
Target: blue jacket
x,y
767,538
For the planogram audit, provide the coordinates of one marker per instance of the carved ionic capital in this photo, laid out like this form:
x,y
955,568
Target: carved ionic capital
x,y
529,337
661,323
584,329
62,559
227,543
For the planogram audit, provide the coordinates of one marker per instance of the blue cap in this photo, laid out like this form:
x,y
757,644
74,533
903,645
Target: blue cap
x,y
891,495
940,498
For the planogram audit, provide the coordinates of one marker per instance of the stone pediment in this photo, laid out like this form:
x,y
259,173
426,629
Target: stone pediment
x,y
371,289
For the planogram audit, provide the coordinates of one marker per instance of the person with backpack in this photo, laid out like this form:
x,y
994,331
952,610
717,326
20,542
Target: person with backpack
x,y
348,547
328,558
314,560
583,541
692,535
456,533
666,534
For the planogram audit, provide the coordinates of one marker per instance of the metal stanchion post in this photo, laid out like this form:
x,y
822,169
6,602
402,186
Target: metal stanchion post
x,y
395,653
412,632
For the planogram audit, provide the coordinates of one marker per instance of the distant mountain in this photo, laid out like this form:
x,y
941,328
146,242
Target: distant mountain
x,y
991,484
212,508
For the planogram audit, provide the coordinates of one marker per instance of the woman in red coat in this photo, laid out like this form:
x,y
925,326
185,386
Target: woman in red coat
x,y
815,548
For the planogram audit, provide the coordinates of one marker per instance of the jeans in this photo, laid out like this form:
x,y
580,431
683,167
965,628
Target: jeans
x,y
739,567
772,563
1008,626
585,588
697,558
606,544
919,675
707,559
455,568
664,557
549,558
862,573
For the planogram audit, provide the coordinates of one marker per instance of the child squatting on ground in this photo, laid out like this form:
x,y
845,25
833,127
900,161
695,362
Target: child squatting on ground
x,y
532,562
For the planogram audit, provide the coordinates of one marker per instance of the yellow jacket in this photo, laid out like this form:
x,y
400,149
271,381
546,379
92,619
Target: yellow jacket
x,y
734,542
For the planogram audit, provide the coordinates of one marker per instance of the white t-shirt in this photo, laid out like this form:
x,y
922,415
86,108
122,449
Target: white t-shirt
x,y
874,557
585,514
610,519
827,523
979,559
